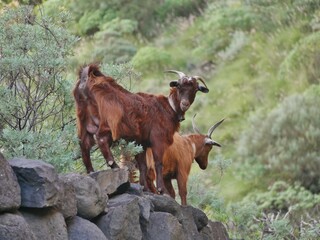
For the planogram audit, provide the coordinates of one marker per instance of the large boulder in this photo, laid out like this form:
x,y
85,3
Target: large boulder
x,y
188,223
79,228
164,203
163,225
91,201
112,181
38,182
214,231
46,223
67,203
122,219
15,227
10,193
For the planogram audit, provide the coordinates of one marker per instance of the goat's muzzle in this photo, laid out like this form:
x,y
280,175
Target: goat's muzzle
x,y
184,105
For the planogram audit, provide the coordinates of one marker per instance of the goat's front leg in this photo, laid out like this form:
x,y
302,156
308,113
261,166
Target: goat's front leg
x,y
104,141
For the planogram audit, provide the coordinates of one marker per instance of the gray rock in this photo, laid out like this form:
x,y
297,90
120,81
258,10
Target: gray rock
x,y
79,228
122,220
111,180
163,203
214,231
91,201
135,189
145,208
15,227
38,182
164,226
188,223
9,188
200,218
67,203
46,223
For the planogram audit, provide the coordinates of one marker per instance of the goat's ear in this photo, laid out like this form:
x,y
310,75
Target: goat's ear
x,y
94,71
209,141
203,89
174,84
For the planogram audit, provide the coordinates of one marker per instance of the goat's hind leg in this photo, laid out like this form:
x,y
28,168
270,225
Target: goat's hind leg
x,y
142,165
104,142
157,156
86,144
168,184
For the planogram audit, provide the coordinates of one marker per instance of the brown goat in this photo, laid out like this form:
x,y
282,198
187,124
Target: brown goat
x,y
107,112
178,158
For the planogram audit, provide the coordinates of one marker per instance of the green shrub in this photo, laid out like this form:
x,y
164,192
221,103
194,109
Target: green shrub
x,y
285,143
303,60
35,119
55,147
151,59
284,197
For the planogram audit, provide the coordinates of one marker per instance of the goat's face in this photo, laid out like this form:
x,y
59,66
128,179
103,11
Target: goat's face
x,y
186,89
202,157
206,144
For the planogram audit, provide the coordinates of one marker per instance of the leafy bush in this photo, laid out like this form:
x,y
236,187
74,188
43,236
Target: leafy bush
x,y
285,143
55,147
179,8
282,212
303,58
284,197
35,96
90,21
33,60
151,58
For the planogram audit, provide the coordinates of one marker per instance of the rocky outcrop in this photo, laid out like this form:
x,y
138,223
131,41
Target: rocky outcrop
x,y
9,188
37,203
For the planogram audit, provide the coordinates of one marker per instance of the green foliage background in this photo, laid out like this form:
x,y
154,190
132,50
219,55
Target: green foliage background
x,y
260,59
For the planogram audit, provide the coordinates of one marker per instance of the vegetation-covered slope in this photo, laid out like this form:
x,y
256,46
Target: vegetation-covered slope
x,y
260,59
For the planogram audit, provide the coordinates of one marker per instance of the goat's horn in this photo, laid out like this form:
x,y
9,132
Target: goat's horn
x,y
214,127
201,80
195,129
181,74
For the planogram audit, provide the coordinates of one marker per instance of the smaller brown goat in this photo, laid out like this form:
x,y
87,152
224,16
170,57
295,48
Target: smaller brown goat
x,y
178,158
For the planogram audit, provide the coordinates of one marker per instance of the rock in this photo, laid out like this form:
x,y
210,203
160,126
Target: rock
x,y
188,223
163,203
214,231
46,223
112,180
91,201
122,219
67,203
162,226
135,189
9,188
15,227
200,218
38,182
79,228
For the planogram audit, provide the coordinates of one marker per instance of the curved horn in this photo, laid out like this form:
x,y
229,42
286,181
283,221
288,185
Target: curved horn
x,y
195,129
214,127
201,80
181,74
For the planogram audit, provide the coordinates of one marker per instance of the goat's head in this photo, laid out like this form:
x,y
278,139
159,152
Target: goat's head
x,y
205,145
89,74
185,91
